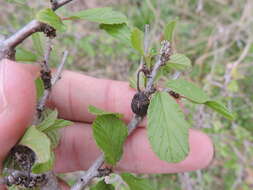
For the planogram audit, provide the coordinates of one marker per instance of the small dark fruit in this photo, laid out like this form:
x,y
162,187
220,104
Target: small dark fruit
x,y
23,156
140,104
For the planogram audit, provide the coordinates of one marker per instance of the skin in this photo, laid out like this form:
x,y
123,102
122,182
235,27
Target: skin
x,y
71,96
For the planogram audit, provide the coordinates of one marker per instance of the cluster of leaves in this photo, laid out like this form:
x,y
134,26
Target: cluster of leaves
x,y
43,138
167,127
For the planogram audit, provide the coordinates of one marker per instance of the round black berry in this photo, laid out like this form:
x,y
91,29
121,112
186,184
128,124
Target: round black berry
x,y
140,104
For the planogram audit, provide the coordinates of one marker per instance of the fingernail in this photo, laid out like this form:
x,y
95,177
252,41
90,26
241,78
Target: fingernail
x,y
3,99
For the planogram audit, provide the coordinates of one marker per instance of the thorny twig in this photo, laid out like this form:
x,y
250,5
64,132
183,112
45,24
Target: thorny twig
x,y
52,182
143,65
93,172
45,69
146,45
46,77
56,77
7,47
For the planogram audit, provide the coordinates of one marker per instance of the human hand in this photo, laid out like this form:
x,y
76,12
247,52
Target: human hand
x,y
71,96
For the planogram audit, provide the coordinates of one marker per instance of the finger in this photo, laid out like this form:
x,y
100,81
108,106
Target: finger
x,y
75,92
72,95
78,150
2,187
17,104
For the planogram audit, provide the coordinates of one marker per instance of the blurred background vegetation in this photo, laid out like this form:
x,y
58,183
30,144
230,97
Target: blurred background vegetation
x,y
216,35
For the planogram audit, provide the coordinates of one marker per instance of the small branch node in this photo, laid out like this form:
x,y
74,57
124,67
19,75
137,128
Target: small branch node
x,y
104,172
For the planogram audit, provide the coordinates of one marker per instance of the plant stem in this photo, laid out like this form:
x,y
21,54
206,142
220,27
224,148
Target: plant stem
x,y
7,47
56,77
93,172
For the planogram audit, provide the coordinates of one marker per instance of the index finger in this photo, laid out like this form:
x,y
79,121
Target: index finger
x,y
75,92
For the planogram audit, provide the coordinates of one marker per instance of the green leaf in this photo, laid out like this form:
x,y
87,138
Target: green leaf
x,y
188,90
41,145
137,40
163,71
37,44
39,88
96,111
133,81
58,124
54,136
110,134
101,15
102,186
136,183
120,32
179,62
44,167
220,108
169,30
48,121
51,122
25,55
49,17
167,128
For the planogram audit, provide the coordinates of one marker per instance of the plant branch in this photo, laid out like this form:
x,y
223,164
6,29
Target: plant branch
x,y
47,181
46,77
163,57
93,172
20,177
52,182
146,45
7,47
47,54
56,77
58,4
59,70
23,33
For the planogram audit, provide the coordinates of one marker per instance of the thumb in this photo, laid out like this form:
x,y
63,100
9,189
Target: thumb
x,y
17,104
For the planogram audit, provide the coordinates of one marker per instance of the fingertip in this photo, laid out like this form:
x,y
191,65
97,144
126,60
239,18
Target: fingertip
x,y
73,94
139,157
201,150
